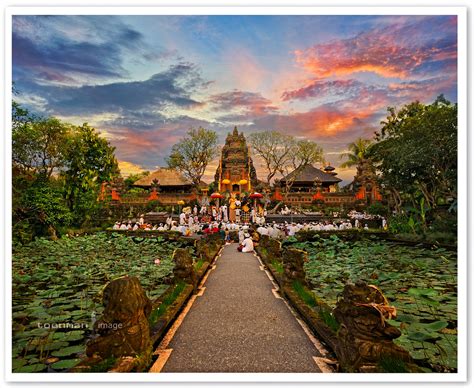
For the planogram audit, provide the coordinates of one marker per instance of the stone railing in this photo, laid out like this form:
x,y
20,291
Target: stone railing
x,y
356,329
132,324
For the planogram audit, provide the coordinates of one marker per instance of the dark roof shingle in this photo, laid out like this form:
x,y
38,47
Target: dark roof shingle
x,y
308,173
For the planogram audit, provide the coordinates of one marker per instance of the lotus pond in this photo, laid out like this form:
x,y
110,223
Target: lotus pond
x,y
56,291
421,283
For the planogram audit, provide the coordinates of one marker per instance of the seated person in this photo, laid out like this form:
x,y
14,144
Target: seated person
x,y
247,244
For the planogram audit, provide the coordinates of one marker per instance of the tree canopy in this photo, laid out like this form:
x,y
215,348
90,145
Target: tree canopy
x,y
57,171
192,154
282,153
416,151
357,153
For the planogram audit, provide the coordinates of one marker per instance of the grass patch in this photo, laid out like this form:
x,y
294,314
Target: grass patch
x,y
324,313
278,267
103,366
304,294
167,301
198,264
392,365
327,317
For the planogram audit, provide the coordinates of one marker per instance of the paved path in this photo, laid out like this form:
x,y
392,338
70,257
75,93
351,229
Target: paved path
x,y
239,325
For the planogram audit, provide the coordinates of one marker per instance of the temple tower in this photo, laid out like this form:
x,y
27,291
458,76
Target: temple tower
x,y
235,172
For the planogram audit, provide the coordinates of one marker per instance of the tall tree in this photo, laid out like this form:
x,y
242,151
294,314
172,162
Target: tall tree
x,y
90,160
275,149
303,152
357,153
416,152
192,154
38,146
306,152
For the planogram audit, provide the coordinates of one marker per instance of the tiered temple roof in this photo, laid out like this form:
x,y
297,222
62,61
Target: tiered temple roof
x,y
308,173
165,177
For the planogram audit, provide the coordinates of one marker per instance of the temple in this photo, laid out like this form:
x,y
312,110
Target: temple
x,y
236,177
236,172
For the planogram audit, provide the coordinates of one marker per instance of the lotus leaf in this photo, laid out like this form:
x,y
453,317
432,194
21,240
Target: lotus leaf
x,y
66,364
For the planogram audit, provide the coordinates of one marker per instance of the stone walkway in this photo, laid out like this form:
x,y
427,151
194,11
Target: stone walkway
x,y
238,325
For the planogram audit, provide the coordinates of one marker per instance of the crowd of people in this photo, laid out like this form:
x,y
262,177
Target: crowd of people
x,y
208,220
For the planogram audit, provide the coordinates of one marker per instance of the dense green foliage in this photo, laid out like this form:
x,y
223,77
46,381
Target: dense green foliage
x,y
60,282
420,283
415,153
57,172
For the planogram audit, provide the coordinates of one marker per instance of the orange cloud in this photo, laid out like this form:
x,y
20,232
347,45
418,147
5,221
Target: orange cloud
x,y
129,168
395,51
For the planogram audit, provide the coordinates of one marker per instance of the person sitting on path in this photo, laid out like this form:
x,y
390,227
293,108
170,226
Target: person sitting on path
x,y
247,244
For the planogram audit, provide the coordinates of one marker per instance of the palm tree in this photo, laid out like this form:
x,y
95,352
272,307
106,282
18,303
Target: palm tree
x,y
357,153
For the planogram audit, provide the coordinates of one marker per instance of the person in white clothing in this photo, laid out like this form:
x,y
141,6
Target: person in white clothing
x,y
262,230
225,216
182,218
241,236
247,244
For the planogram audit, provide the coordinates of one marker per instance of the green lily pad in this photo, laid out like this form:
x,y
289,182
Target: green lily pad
x,y
30,368
436,326
55,345
66,364
421,336
18,363
69,350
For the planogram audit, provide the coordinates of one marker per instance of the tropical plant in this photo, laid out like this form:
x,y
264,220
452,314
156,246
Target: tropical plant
x,y
357,153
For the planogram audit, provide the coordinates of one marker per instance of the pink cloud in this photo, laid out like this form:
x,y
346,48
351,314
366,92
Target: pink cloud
x,y
393,51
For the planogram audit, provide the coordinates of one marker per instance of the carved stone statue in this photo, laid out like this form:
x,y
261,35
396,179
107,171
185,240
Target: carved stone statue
x,y
183,268
293,262
123,328
364,336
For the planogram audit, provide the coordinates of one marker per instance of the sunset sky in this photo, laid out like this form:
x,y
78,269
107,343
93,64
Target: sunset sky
x,y
143,81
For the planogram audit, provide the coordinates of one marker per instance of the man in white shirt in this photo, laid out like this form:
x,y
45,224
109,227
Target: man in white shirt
x,y
182,218
247,244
